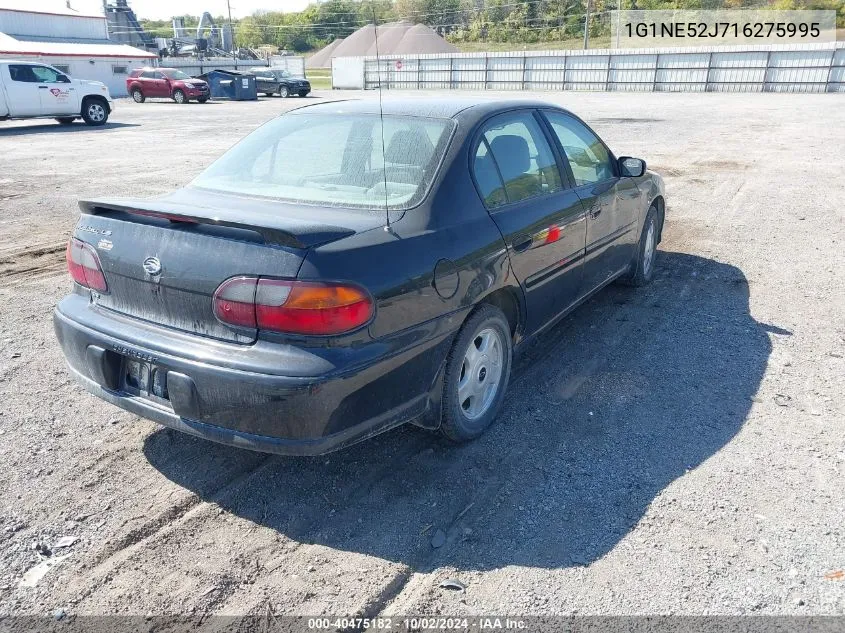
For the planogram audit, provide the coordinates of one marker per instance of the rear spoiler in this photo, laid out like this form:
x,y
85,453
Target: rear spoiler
x,y
278,231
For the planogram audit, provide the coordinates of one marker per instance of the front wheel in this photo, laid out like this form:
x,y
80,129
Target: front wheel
x,y
284,92
642,269
476,376
138,96
95,112
179,96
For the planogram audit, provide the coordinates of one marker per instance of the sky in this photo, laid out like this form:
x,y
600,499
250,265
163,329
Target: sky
x,y
164,9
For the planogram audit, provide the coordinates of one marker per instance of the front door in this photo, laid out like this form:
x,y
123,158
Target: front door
x,y
22,90
542,221
609,200
58,95
155,84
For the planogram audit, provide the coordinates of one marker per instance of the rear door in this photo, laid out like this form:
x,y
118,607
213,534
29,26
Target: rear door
x,y
609,199
541,219
22,90
58,95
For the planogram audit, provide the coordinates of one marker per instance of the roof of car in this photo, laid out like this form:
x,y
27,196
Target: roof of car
x,y
432,107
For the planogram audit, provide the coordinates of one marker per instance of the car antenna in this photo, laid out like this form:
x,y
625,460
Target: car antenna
x,y
381,120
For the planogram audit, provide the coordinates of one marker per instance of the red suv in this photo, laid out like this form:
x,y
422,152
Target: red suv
x,y
171,83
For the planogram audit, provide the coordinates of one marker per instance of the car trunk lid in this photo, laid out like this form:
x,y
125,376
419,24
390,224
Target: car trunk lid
x,y
164,259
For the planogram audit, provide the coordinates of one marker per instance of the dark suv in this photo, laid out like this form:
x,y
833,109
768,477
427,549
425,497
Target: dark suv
x,y
272,81
169,83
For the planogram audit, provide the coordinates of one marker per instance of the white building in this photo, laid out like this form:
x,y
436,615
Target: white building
x,y
73,42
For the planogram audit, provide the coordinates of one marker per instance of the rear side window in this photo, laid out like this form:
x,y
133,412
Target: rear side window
x,y
23,73
335,160
523,157
487,178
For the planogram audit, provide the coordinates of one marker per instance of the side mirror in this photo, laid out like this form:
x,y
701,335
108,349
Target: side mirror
x,y
631,167
63,79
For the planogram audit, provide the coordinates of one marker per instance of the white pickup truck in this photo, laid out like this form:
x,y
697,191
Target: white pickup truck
x,y
33,90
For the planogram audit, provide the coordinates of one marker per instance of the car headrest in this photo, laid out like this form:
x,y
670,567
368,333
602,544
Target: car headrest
x,y
512,155
409,147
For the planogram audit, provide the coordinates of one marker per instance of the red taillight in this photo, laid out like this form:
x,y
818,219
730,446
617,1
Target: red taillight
x,y
83,263
298,307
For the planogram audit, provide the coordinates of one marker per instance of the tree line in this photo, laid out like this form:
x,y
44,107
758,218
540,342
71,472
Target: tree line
x,y
506,21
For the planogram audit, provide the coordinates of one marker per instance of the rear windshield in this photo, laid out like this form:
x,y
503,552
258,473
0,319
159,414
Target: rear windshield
x,y
335,160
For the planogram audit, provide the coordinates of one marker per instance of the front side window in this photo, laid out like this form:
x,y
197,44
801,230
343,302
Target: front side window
x,y
523,156
175,74
333,160
588,157
46,74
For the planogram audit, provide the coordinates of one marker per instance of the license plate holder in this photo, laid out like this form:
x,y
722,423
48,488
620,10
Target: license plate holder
x,y
145,379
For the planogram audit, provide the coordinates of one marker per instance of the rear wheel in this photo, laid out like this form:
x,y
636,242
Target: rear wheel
x,y
476,377
284,92
66,120
642,270
95,111
138,96
179,96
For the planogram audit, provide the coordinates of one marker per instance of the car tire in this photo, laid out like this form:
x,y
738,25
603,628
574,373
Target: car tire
x,y
66,120
303,94
179,96
95,111
284,93
268,94
138,96
642,269
477,372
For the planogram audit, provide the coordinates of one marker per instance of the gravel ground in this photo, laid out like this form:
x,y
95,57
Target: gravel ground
x,y
677,449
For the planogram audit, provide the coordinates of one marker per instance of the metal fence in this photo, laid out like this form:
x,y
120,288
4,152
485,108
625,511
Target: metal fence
x,y
807,68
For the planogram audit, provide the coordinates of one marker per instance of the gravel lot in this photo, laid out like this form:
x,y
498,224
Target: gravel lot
x,y
677,449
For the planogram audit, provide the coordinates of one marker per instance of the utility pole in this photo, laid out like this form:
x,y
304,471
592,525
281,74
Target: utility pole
x,y
587,27
232,34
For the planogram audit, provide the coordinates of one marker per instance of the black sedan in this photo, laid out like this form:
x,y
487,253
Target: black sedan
x,y
278,81
383,273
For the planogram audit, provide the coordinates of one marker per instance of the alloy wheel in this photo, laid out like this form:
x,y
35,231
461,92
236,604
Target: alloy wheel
x,y
96,112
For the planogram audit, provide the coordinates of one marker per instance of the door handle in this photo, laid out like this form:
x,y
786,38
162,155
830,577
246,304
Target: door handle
x,y
523,244
42,87
595,211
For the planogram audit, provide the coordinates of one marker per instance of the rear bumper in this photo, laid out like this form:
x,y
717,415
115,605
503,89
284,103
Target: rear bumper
x,y
353,396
